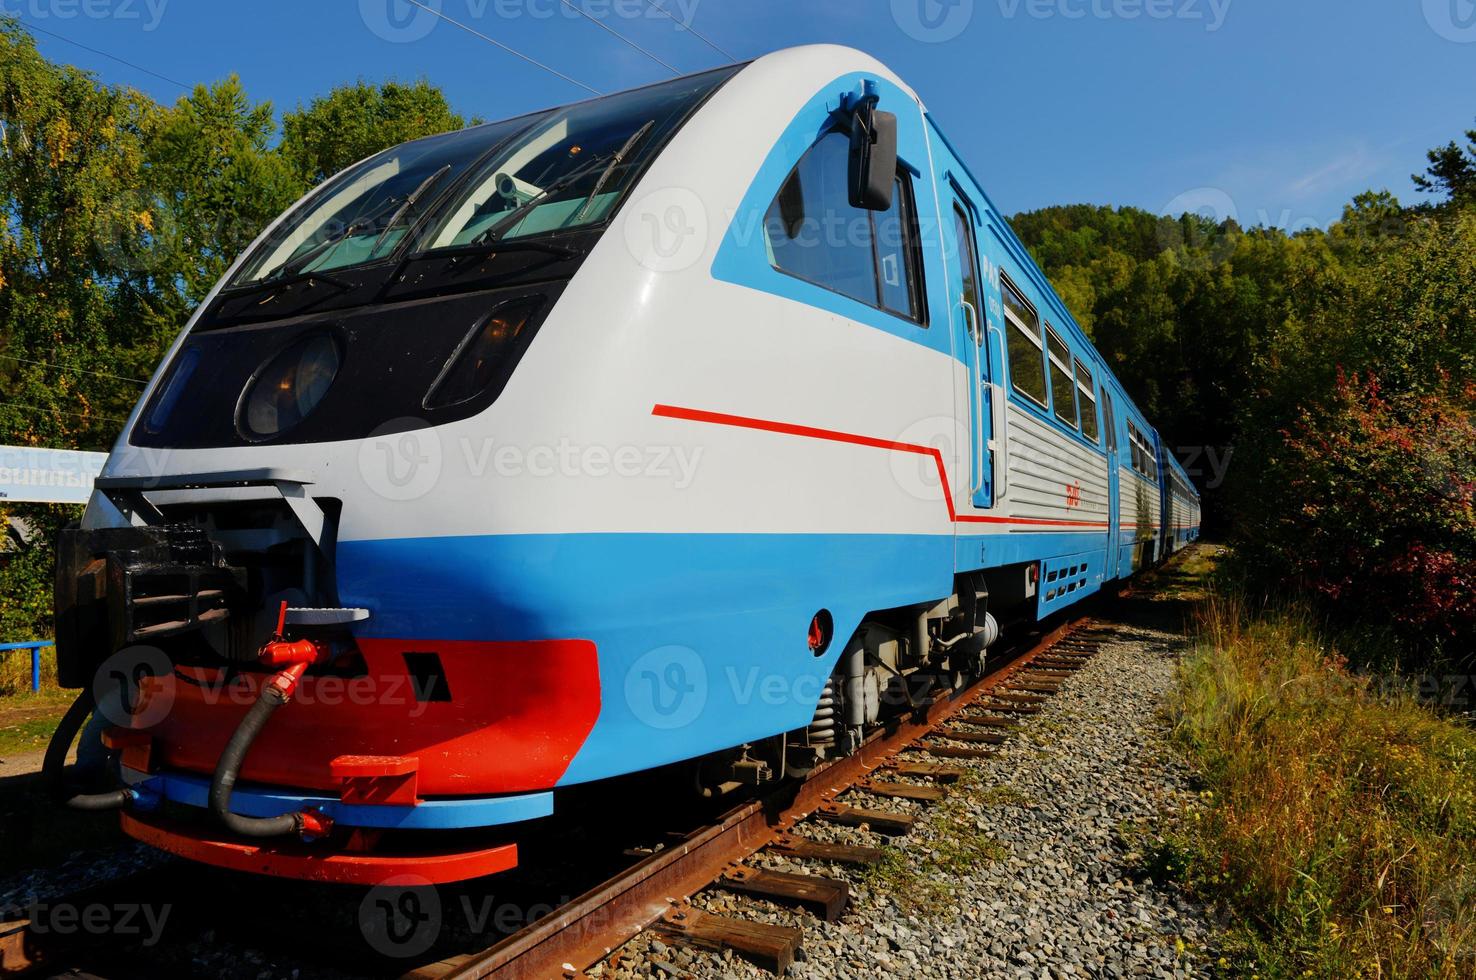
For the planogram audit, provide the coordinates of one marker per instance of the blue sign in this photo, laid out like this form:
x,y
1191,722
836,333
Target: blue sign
x,y
47,476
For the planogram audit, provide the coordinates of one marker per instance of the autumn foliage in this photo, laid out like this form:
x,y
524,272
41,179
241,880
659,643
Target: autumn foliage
x,y
1376,512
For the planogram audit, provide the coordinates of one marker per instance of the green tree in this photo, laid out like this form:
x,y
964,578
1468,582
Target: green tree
x,y
353,121
217,180
1452,171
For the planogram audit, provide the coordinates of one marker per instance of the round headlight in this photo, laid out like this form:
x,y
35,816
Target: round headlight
x,y
290,386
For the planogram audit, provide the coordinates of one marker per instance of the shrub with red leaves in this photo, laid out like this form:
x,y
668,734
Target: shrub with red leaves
x,y
1368,504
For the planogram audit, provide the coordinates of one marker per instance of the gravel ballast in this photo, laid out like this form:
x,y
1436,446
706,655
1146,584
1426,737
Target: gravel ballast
x,y
1028,868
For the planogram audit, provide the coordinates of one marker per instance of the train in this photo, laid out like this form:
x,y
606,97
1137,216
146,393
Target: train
x,y
704,426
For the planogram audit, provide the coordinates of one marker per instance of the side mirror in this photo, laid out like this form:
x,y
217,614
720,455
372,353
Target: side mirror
x,y
873,164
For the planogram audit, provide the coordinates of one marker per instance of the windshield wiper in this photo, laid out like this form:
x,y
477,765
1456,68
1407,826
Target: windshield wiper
x,y
295,266
408,203
512,217
615,161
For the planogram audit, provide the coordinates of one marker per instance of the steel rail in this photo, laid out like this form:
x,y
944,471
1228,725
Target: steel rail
x,y
590,927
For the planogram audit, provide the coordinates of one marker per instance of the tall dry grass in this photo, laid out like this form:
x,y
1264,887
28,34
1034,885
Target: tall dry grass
x,y
1340,822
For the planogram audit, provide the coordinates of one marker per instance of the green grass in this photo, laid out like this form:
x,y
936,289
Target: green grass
x,y
27,720
1337,823
920,882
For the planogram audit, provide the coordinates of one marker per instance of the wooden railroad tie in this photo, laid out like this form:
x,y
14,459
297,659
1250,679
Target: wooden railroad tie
x,y
1054,675
1014,709
986,721
952,751
886,822
927,770
767,946
1009,698
803,848
903,791
1033,687
978,738
825,898
1065,665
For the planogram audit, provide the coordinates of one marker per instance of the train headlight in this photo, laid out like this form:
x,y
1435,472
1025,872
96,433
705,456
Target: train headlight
x,y
289,386
486,356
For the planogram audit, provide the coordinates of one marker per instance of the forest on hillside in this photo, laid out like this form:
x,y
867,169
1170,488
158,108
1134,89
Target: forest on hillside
x,y
1335,370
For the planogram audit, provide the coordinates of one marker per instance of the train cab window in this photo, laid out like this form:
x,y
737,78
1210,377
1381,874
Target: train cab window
x,y
813,233
1063,382
895,249
1086,393
1027,353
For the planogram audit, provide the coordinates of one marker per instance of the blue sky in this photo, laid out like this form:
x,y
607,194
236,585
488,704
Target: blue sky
x,y
1281,109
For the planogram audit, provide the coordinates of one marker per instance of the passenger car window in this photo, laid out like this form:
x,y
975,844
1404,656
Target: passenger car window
x,y
1027,353
813,233
1063,382
1086,391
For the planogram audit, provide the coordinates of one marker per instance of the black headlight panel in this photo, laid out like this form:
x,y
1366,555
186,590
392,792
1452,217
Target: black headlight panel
x,y
345,375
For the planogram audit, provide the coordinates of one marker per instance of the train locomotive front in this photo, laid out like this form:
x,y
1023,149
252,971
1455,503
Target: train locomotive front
x,y
537,453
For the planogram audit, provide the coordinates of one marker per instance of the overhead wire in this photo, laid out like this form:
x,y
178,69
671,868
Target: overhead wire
x,y
72,370
616,34
112,57
690,29
505,47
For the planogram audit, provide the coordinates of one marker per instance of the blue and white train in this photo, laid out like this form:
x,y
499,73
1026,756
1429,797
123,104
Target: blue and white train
x,y
706,423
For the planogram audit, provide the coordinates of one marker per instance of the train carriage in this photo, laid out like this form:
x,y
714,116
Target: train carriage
x,y
704,424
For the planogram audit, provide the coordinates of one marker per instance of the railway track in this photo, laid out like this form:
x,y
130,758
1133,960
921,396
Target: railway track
x,y
912,759
654,893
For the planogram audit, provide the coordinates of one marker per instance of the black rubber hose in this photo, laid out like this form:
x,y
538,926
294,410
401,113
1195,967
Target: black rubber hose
x,y
229,766
53,766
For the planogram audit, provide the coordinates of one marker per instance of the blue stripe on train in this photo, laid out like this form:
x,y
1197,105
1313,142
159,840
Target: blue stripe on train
x,y
701,637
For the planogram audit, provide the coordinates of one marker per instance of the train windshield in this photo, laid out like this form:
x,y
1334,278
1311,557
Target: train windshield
x,y
538,174
364,213
568,169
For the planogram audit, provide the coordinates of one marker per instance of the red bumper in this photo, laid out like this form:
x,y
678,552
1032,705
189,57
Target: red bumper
x,y
503,717
313,862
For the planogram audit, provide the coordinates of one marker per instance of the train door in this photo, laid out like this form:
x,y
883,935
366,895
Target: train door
x,y
965,282
1114,508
